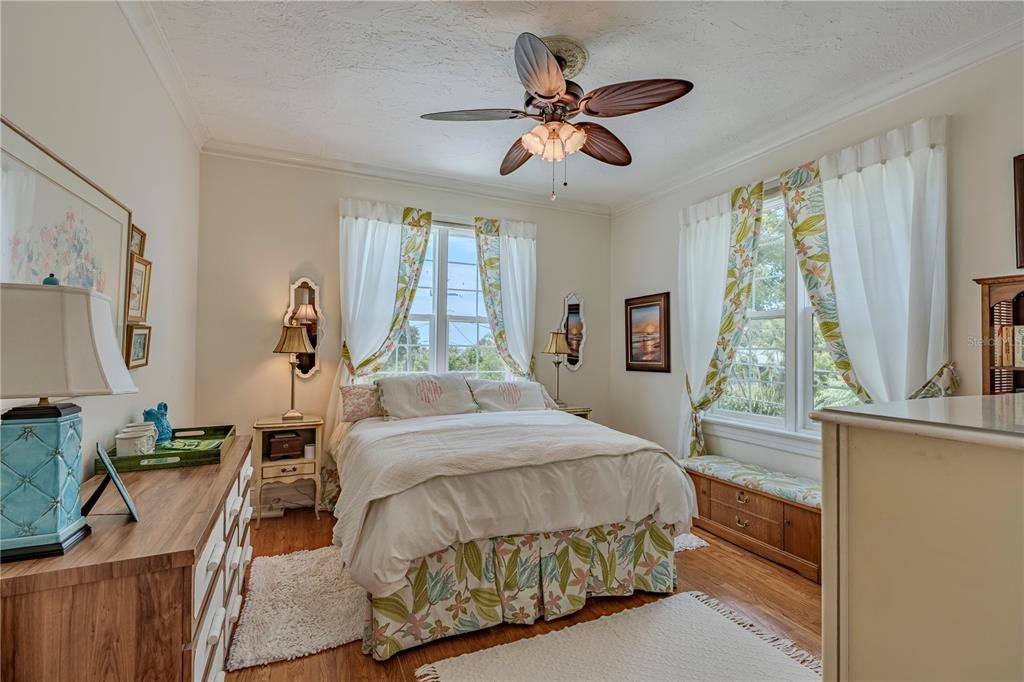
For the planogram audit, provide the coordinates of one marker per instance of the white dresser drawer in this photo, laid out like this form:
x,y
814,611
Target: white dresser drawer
x,y
206,566
246,474
234,559
216,672
211,632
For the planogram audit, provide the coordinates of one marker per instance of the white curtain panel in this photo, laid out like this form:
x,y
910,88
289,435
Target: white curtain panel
x,y
885,202
518,244
703,262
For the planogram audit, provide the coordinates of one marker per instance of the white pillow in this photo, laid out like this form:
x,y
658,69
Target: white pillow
x,y
497,396
425,395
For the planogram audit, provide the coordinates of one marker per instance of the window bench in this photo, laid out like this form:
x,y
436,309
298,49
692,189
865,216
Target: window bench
x,y
772,514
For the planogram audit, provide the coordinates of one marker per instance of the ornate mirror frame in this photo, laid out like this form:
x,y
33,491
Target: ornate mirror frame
x,y
575,327
305,290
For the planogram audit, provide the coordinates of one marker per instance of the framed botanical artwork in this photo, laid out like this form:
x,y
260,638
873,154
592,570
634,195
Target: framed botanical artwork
x,y
137,241
137,349
56,220
1018,204
647,334
139,274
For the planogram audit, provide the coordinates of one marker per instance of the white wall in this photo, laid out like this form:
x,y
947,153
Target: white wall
x,y
75,78
986,130
266,224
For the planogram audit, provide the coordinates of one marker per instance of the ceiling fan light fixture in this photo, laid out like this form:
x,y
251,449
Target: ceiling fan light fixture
x,y
554,140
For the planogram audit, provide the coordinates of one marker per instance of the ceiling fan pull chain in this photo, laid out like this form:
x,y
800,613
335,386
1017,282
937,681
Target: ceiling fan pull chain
x,y
553,195
565,172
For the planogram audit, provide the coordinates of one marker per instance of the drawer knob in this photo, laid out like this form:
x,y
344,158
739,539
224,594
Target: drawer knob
x,y
288,470
215,557
741,523
246,475
742,497
235,558
247,555
215,626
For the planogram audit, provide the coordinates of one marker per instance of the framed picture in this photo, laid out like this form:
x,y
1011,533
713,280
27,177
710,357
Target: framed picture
x,y
1018,204
138,288
137,348
111,475
647,334
137,241
51,211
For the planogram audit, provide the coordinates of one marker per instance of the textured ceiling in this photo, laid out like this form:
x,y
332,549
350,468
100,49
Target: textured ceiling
x,y
348,81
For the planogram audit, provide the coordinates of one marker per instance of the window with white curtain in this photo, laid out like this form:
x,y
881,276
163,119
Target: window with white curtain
x,y
782,370
448,330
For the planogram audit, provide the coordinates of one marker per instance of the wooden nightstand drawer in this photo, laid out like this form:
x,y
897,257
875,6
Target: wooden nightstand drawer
x,y
293,468
748,524
746,501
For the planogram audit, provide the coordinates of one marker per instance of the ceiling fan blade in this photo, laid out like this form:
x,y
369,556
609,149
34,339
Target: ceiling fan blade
x,y
538,69
604,146
516,157
633,96
475,115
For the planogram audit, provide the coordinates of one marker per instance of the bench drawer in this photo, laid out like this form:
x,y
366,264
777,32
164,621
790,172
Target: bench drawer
x,y
747,501
742,522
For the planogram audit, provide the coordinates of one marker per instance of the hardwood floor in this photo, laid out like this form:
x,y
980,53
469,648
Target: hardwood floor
x,y
778,600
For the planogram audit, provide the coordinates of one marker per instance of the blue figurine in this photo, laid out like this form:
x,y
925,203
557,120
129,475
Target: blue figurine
x,y
158,416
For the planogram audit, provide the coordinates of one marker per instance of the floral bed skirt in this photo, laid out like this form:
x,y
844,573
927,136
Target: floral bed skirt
x,y
517,579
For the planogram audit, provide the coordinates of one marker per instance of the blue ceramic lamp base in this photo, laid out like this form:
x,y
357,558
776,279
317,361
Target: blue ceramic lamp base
x,y
40,458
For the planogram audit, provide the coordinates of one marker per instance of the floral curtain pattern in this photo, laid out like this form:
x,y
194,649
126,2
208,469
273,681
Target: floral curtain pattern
x,y
805,214
518,579
488,245
746,229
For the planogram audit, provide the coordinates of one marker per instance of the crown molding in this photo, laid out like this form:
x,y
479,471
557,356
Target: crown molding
x,y
151,37
281,157
855,103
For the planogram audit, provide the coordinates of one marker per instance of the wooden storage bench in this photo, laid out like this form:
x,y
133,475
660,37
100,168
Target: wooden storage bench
x,y
775,515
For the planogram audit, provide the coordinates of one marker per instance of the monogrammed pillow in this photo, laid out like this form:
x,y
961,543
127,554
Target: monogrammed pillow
x,y
498,396
360,401
425,395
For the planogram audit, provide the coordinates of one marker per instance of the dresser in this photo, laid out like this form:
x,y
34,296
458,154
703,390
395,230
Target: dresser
x,y
923,537
153,600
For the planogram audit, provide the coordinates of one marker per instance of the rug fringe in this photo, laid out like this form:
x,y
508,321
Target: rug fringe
x,y
786,646
427,673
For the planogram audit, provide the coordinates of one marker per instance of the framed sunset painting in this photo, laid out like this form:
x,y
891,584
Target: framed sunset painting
x,y
56,220
647,334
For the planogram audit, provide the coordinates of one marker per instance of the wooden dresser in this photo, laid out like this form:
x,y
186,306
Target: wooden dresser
x,y
153,600
923,528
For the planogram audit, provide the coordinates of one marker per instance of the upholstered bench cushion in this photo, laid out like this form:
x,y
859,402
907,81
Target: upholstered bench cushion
x,y
795,488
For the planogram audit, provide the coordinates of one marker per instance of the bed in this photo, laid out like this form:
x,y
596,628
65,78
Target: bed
x,y
454,523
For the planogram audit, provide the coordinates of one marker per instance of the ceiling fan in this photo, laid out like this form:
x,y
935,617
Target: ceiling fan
x,y
554,101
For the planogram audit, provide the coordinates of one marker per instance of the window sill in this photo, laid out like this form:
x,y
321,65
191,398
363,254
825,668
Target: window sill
x,y
802,443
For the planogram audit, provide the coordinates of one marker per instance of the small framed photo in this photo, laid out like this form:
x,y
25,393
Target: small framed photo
x,y
137,353
647,334
137,241
138,288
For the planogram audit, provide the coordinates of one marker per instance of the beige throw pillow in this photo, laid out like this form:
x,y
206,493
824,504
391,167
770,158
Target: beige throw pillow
x,y
425,395
360,401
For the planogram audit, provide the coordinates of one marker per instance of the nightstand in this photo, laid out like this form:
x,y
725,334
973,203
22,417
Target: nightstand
x,y
578,411
286,470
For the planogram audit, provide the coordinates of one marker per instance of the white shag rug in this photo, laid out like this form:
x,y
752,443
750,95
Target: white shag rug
x,y
686,637
305,602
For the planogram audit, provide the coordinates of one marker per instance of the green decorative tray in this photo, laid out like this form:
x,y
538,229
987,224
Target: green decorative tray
x,y
188,447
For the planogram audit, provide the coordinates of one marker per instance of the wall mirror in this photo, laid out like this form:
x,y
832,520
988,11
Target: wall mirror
x,y
304,310
575,330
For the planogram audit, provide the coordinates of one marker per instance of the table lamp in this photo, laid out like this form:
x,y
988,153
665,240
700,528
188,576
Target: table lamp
x,y
557,346
56,341
293,340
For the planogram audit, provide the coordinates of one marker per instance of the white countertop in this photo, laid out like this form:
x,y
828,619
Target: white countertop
x,y
994,414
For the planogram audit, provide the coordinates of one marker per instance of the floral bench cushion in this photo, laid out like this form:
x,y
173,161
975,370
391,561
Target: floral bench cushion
x,y
795,488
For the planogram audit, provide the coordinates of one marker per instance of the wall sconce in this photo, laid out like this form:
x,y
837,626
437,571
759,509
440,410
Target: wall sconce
x,y
304,310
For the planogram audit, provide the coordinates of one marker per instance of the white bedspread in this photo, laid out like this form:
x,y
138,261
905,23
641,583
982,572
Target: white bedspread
x,y
414,486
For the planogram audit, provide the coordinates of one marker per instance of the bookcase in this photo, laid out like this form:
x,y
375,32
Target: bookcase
x,y
1002,304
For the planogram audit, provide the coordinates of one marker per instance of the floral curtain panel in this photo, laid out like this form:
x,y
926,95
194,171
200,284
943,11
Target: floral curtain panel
x,y
695,267
381,252
507,253
869,227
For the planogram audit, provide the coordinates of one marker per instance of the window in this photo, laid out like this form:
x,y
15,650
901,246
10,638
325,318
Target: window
x,y
782,369
448,330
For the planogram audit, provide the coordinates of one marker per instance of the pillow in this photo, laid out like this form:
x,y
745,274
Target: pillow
x,y
360,401
497,396
425,395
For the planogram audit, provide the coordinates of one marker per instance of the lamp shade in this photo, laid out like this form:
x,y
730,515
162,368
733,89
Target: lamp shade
x,y
557,344
293,340
305,314
59,342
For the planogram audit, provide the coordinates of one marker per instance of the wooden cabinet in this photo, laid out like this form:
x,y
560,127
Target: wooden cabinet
x,y
151,600
780,530
1002,303
287,469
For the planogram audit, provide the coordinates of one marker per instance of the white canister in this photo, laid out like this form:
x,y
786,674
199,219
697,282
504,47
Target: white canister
x,y
135,443
309,451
